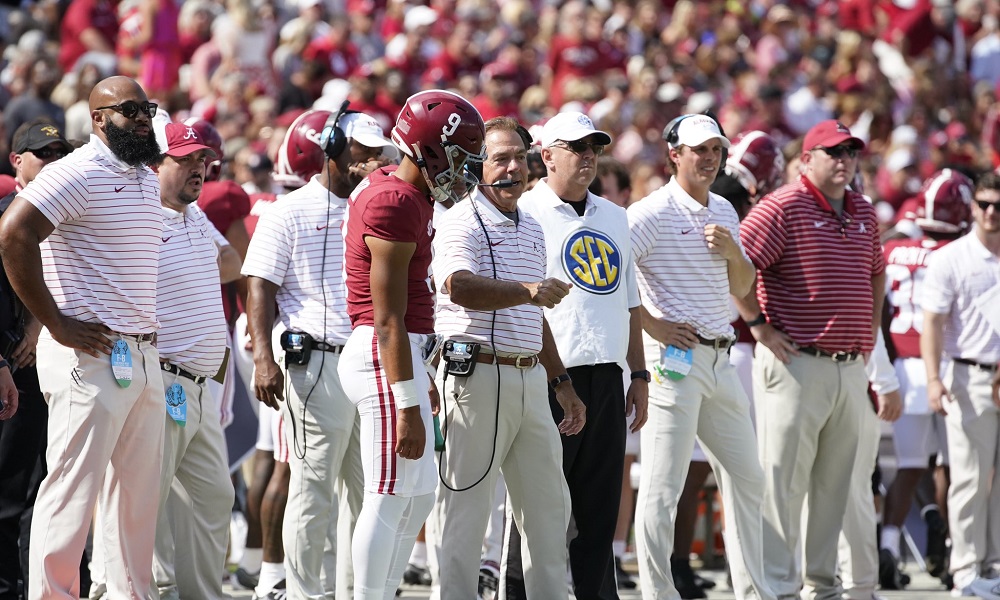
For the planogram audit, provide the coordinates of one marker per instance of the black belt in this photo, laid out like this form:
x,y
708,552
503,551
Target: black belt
x,y
140,337
171,368
972,363
328,347
834,356
722,343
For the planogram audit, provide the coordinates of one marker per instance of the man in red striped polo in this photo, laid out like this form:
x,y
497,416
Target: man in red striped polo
x,y
816,248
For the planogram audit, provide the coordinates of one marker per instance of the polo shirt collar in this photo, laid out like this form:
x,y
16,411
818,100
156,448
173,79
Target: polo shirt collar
x,y
334,198
108,155
849,198
549,198
685,199
488,211
977,245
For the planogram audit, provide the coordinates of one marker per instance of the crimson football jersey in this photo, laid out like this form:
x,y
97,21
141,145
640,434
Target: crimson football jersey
x,y
906,264
388,208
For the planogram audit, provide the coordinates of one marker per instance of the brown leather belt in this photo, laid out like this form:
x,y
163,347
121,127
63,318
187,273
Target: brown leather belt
x,y
521,362
721,343
141,337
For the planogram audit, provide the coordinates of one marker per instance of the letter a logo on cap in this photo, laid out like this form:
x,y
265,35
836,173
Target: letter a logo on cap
x,y
190,134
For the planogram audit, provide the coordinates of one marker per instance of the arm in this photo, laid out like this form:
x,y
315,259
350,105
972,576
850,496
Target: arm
x,y
574,411
94,40
878,290
775,339
931,347
390,262
485,293
668,333
229,264
268,382
741,271
8,394
884,382
24,353
637,395
22,229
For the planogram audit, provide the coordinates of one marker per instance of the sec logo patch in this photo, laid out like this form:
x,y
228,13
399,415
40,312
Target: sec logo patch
x,y
592,261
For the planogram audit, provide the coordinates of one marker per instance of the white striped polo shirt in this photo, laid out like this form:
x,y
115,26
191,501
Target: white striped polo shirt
x,y
958,280
680,278
519,252
288,248
192,331
815,267
100,263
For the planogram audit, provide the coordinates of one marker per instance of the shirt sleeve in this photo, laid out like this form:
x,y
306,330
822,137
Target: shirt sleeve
x,y
642,225
763,234
457,247
881,373
939,285
270,252
393,217
60,192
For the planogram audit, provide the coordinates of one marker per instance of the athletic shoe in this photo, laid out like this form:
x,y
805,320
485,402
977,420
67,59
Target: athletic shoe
x,y
937,543
625,581
415,575
244,579
889,576
703,583
278,592
684,580
987,589
489,583
962,583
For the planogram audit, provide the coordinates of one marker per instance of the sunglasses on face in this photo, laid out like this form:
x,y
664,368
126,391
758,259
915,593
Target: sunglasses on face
x,y
985,205
129,109
47,153
839,152
580,147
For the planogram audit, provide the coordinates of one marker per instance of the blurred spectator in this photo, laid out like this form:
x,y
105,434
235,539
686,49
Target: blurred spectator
x,y
499,97
34,103
87,26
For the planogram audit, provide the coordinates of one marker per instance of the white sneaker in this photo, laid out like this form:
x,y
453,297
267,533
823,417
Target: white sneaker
x,y
987,589
963,579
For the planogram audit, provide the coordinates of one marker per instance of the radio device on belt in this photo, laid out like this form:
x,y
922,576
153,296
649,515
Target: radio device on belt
x,y
297,347
460,357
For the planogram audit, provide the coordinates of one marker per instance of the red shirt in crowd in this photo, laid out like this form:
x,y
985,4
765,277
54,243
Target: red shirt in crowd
x,y
81,16
570,59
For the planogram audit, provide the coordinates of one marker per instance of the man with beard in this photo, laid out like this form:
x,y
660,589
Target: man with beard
x,y
296,259
81,244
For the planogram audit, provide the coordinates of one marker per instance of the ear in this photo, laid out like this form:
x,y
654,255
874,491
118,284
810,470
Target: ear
x,y
15,160
547,158
97,117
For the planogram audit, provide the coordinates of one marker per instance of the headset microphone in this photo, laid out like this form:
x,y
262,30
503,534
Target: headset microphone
x,y
502,184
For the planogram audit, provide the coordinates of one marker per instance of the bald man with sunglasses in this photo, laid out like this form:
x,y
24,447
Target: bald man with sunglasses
x,y
63,239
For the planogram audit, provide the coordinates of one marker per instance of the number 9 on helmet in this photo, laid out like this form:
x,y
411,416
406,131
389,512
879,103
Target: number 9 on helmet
x,y
440,132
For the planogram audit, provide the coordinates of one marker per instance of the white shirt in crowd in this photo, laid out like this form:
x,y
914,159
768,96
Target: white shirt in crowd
x,y
680,279
592,252
517,251
298,246
100,263
193,330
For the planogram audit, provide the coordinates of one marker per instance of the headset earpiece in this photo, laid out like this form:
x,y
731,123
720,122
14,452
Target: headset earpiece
x,y
333,139
670,131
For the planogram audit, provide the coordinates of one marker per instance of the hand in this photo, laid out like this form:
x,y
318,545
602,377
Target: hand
x,y
547,292
269,383
24,354
996,388
637,398
435,398
91,338
890,406
776,340
936,394
574,411
721,241
410,433
678,335
8,394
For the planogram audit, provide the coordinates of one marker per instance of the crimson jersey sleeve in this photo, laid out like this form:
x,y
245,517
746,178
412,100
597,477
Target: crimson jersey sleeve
x,y
224,203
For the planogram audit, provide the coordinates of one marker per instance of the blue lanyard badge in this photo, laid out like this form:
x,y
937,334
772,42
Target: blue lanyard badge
x,y
674,363
121,363
177,406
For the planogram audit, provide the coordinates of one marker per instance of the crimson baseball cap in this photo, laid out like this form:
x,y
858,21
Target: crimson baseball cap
x,y
828,134
183,140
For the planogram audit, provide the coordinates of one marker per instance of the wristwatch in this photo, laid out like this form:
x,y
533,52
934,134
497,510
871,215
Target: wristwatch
x,y
555,381
760,320
4,363
643,374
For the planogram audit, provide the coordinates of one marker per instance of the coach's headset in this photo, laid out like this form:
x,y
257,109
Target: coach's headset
x,y
333,141
670,134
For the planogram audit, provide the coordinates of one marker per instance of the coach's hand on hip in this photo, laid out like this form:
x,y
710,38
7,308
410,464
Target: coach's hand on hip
x,y
91,338
548,292
574,410
268,383
669,333
410,433
776,340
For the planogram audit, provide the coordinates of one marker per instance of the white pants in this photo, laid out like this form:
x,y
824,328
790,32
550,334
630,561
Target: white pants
x,y
858,549
105,444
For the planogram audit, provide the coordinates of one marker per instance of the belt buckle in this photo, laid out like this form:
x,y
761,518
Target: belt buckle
x,y
841,356
529,360
721,343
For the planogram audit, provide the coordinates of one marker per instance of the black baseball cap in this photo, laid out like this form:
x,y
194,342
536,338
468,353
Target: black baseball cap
x,y
37,135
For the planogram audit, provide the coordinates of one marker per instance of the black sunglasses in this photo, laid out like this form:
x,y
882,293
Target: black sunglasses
x,y
580,146
129,109
839,152
985,205
47,153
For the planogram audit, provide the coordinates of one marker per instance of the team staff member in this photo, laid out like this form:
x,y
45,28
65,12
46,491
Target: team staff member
x,y
22,436
685,241
296,258
492,289
387,258
962,323
596,329
62,240
817,251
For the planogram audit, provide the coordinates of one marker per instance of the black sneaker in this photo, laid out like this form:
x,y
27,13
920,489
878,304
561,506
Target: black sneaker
x,y
489,583
937,543
889,577
244,579
703,583
415,575
625,581
684,579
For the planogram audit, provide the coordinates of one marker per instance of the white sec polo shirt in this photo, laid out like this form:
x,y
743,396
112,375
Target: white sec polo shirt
x,y
592,252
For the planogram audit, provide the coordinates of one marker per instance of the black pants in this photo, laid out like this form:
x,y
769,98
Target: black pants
x,y
592,463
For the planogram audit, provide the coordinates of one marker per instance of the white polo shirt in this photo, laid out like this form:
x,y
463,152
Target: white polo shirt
x,y
100,263
594,253
518,252
680,279
959,282
192,331
298,246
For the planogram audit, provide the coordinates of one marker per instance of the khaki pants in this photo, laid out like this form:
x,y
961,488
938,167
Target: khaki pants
x,y
858,548
809,416
105,444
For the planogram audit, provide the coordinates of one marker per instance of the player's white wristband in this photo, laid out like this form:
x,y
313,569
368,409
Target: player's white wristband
x,y
405,393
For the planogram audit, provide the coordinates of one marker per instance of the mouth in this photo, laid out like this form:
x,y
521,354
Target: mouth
x,y
141,130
